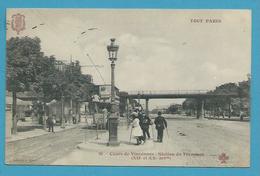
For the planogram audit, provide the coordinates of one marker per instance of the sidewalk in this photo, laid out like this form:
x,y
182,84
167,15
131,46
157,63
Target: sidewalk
x,y
232,118
96,152
126,144
39,131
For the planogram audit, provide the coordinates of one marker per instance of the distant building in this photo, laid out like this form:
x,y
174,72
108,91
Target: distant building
x,y
156,110
105,94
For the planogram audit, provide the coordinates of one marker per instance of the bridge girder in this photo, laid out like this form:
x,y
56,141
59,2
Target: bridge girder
x,y
172,96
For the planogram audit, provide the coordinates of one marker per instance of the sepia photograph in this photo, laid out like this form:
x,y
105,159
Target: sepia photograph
x,y
128,87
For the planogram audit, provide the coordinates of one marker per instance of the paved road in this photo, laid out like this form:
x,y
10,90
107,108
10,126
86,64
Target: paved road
x,y
210,138
194,142
202,140
43,150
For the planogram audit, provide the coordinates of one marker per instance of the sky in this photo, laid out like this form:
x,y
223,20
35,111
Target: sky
x,y
158,49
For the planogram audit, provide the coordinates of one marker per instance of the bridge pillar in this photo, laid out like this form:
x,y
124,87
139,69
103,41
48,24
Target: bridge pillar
x,y
200,108
127,108
147,107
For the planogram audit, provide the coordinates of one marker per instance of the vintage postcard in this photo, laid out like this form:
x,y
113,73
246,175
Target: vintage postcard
x,y
128,87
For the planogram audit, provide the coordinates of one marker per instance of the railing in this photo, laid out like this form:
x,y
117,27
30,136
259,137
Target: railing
x,y
163,92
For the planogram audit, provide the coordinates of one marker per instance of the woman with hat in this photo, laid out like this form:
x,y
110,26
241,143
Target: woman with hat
x,y
137,131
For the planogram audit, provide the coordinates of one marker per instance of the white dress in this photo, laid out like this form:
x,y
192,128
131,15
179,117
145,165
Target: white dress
x,y
136,131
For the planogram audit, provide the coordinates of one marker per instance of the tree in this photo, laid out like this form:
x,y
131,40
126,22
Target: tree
x,y
189,105
29,70
221,104
44,83
21,54
173,109
244,97
79,87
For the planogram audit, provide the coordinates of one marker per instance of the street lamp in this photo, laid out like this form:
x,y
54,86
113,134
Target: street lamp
x,y
113,119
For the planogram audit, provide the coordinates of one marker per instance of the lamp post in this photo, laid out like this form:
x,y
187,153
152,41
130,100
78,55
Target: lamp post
x,y
113,119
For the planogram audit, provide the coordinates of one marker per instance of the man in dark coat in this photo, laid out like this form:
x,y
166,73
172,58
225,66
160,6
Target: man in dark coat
x,y
50,122
74,120
145,123
160,125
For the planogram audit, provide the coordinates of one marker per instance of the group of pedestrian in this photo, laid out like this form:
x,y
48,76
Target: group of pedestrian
x,y
141,123
51,120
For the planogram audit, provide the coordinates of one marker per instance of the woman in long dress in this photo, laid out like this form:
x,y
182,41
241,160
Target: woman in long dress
x,y
137,131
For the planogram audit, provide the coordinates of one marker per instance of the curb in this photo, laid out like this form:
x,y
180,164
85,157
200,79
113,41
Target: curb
x,y
101,147
227,119
65,129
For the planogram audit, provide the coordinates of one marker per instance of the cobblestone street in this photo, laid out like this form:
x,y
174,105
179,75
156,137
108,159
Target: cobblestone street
x,y
45,149
191,142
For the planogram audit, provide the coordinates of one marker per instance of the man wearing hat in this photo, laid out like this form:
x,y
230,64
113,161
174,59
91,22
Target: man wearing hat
x,y
145,122
160,125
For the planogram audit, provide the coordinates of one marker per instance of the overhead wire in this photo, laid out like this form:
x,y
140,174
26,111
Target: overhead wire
x,y
41,17
92,62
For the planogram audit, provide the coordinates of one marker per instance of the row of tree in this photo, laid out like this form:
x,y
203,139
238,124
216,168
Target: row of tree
x,y
219,106
174,109
28,69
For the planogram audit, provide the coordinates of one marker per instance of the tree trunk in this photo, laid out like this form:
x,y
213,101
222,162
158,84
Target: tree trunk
x,y
71,110
78,111
241,110
14,116
229,108
44,115
62,111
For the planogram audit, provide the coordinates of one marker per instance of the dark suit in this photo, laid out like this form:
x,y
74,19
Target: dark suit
x,y
160,125
50,123
145,123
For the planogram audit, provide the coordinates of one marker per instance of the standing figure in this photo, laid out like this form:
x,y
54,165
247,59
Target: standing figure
x,y
160,125
50,122
136,129
74,119
145,123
